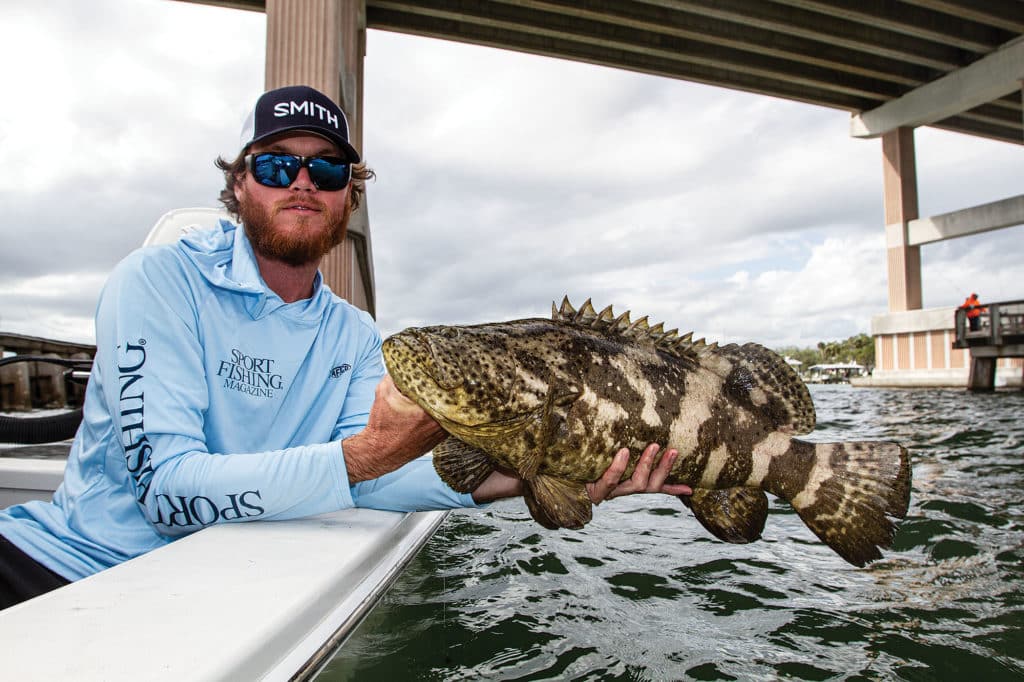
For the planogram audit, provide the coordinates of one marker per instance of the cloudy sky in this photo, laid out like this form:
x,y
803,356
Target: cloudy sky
x,y
504,180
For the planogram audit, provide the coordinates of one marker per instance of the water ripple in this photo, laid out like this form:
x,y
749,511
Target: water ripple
x,y
643,593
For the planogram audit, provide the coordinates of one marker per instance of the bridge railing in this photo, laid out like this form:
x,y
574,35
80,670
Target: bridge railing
x,y
999,323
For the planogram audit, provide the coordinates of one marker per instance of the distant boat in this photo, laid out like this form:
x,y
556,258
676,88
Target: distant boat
x,y
834,373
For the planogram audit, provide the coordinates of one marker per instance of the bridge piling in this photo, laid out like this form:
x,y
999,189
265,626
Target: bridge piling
x,y
983,374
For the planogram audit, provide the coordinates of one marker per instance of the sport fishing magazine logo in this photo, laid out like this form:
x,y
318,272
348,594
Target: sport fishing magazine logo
x,y
248,374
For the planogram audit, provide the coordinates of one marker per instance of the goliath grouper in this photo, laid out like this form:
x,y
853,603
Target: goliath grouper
x,y
554,400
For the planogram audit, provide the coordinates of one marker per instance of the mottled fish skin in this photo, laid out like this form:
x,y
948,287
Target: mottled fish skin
x,y
555,399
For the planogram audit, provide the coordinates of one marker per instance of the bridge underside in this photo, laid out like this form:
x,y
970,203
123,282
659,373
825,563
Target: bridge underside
x,y
952,64
844,54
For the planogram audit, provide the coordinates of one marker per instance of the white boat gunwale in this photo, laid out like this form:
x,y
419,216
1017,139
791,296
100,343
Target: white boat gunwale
x,y
267,600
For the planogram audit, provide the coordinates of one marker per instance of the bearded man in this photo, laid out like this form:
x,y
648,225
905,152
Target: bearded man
x,y
230,384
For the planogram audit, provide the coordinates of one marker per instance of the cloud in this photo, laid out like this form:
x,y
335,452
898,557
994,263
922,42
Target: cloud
x,y
988,264
505,181
53,306
742,217
118,121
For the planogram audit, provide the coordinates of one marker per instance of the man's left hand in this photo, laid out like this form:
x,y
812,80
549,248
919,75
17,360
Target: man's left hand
x,y
646,478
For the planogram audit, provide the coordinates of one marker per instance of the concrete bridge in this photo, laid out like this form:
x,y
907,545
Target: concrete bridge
x,y
894,66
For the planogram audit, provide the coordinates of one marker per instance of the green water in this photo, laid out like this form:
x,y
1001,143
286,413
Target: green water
x,y
644,593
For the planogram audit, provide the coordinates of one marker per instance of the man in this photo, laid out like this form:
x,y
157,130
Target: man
x,y
230,384
974,310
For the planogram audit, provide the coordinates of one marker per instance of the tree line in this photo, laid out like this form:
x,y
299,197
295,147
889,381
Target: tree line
x,y
859,349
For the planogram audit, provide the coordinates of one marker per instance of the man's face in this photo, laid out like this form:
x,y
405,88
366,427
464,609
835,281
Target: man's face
x,y
296,224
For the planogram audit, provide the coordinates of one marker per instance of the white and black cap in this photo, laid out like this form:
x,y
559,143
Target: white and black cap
x,y
298,107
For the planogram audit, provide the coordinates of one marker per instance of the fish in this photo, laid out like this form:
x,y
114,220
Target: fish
x,y
553,400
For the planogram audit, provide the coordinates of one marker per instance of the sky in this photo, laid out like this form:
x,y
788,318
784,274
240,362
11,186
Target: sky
x,y
505,181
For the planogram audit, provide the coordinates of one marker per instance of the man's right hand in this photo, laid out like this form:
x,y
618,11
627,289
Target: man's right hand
x,y
397,431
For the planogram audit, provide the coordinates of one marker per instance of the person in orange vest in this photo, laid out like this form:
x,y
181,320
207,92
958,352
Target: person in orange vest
x,y
974,310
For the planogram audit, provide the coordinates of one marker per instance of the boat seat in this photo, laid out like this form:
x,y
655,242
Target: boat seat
x,y
173,224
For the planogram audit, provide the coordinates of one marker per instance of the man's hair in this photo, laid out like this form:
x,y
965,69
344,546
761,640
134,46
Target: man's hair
x,y
235,170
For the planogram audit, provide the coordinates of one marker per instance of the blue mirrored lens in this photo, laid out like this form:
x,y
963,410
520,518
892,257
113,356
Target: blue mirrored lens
x,y
328,174
281,170
275,170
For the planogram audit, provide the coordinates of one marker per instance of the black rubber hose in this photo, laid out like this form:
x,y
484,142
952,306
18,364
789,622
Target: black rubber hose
x,y
34,430
49,429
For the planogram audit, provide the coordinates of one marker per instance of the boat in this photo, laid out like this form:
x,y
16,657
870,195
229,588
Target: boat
x,y
272,600
834,373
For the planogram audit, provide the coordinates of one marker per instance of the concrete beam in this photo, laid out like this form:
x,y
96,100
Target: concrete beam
x,y
1011,350
1009,16
967,221
913,321
994,76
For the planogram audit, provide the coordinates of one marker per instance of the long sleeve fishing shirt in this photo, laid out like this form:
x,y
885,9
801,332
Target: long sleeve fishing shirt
x,y
212,400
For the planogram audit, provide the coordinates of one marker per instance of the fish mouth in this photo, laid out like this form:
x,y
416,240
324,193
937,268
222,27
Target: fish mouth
x,y
423,357
415,359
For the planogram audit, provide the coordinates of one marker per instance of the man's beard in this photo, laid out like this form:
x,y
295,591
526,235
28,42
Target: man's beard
x,y
293,249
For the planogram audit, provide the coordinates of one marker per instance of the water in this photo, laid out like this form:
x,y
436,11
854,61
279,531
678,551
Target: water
x,y
644,593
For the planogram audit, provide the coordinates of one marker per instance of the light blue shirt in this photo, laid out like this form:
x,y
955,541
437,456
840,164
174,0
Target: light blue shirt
x,y
212,400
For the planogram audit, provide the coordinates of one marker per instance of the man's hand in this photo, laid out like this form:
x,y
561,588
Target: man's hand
x,y
646,478
397,431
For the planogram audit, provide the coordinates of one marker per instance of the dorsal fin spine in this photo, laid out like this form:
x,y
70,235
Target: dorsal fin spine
x,y
566,311
668,341
586,313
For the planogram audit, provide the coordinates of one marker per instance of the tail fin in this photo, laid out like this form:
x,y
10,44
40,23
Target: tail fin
x,y
847,493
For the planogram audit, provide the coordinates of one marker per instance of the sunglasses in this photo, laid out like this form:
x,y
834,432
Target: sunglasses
x,y
276,169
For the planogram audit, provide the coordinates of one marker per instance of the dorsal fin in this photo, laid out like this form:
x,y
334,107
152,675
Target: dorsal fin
x,y
606,321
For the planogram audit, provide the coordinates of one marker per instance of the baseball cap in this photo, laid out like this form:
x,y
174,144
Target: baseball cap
x,y
298,107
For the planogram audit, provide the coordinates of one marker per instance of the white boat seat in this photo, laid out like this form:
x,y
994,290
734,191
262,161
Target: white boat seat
x,y
173,224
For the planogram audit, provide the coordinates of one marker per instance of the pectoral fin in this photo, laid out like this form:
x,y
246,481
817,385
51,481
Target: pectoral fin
x,y
558,503
551,417
460,465
734,515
